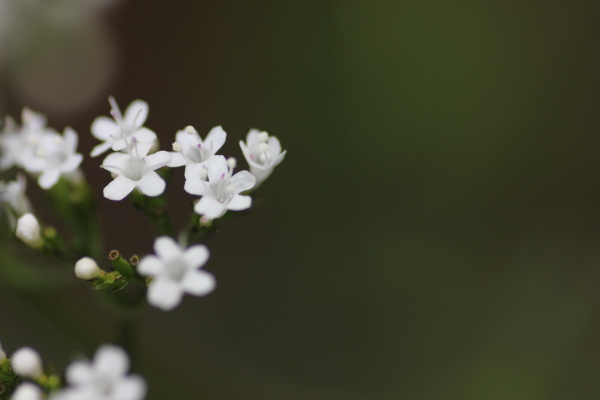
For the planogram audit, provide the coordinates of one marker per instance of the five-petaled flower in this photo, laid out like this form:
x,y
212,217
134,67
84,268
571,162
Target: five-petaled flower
x,y
175,271
192,150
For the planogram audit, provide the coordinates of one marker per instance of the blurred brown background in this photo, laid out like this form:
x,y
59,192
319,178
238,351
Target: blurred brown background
x,y
433,232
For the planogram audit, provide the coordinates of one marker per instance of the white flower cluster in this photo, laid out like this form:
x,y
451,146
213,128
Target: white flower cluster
x,y
41,151
207,174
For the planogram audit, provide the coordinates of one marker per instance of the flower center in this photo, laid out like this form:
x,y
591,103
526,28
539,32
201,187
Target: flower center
x,y
134,168
176,269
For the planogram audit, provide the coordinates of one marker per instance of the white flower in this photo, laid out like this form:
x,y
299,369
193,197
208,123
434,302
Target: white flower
x,y
12,194
136,169
105,378
190,149
115,133
2,354
28,230
86,268
27,391
55,156
222,190
27,363
263,154
175,271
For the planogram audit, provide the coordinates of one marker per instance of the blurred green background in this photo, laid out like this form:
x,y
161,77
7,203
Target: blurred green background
x,y
433,232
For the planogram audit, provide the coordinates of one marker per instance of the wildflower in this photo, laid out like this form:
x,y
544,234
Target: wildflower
x,y
189,148
222,190
27,363
86,268
135,170
27,391
116,133
175,271
18,145
105,378
263,154
12,195
28,230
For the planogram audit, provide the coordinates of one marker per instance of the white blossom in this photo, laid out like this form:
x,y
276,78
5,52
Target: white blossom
x,y
175,271
27,391
105,378
28,230
222,190
27,363
12,195
135,170
86,268
115,133
263,153
191,149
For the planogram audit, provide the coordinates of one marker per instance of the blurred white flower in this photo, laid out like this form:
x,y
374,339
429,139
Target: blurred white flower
x,y
27,363
27,391
175,271
190,149
263,154
28,230
105,378
115,133
222,190
135,170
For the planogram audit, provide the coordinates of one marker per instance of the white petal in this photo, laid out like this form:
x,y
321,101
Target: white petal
x,y
177,160
239,202
217,136
217,168
195,256
79,373
210,208
194,171
242,181
144,135
118,160
72,163
71,139
252,137
164,294
111,361
198,283
131,388
136,113
274,146
245,151
151,184
48,178
166,248
150,266
119,188
158,159
104,128
195,186
279,159
99,149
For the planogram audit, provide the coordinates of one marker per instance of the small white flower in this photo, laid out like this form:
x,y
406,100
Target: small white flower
x,y
56,155
28,230
222,190
2,354
27,391
105,378
175,271
190,149
86,268
27,363
263,154
12,194
115,133
135,170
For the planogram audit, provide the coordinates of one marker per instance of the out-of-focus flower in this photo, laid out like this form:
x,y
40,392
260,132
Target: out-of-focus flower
x,y
12,195
190,149
86,268
105,378
27,391
27,363
175,271
135,170
28,230
116,133
222,190
263,153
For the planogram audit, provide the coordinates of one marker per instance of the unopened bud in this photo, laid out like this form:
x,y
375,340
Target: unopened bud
x,y
87,269
191,130
177,147
27,363
27,391
28,230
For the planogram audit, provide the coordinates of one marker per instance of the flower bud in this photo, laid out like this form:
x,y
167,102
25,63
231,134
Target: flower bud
x,y
28,230
87,269
27,363
27,391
